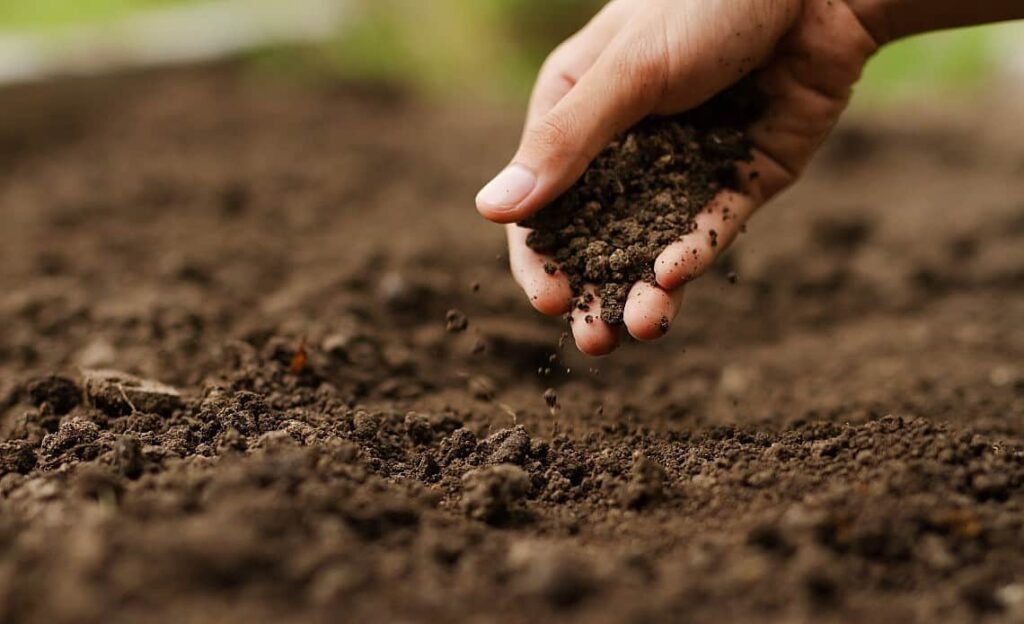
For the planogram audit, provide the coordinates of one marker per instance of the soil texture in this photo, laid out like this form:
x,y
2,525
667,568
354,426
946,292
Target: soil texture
x,y
260,361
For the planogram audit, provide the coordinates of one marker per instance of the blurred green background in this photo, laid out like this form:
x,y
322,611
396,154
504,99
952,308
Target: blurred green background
x,y
493,47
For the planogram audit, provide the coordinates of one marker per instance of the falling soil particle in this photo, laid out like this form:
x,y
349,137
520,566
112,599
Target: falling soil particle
x,y
455,321
551,398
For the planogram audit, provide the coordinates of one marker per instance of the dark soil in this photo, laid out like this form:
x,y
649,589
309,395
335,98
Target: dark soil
x,y
641,194
228,392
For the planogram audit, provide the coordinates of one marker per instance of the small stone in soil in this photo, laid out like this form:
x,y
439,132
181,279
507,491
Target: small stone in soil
x,y
455,321
117,394
732,277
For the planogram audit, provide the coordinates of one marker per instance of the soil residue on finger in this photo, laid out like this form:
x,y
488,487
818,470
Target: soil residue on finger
x,y
641,194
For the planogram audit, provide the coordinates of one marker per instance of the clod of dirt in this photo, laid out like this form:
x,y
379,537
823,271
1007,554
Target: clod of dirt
x,y
117,394
16,456
646,483
418,427
508,446
74,440
455,321
460,444
494,494
642,193
60,393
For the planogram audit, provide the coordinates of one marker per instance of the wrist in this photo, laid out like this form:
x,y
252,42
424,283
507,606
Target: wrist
x,y
875,16
887,20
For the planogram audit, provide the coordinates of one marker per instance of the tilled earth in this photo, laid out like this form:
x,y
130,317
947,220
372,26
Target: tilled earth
x,y
235,384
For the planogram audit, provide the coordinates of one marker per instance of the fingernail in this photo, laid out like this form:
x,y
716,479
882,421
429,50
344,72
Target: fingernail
x,y
507,189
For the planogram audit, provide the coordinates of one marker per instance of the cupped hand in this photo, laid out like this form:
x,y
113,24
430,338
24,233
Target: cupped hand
x,y
656,57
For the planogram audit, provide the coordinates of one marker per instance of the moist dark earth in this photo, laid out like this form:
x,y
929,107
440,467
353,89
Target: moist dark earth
x,y
641,194
261,361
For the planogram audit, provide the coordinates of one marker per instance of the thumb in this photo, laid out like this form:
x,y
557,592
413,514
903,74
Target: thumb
x,y
557,146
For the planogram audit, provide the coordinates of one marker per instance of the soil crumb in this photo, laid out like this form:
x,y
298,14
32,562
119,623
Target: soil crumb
x,y
641,194
455,321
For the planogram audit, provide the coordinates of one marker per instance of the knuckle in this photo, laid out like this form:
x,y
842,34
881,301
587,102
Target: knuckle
x,y
641,68
558,59
562,64
553,137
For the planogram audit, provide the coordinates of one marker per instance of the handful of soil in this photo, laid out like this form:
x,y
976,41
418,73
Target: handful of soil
x,y
641,194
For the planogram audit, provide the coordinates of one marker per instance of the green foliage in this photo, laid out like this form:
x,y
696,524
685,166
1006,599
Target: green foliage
x,y
495,46
954,60
42,14
444,45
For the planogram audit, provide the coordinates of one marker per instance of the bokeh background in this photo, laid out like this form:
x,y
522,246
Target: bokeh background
x,y
490,48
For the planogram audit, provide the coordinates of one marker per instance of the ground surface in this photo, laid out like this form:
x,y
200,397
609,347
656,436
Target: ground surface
x,y
835,437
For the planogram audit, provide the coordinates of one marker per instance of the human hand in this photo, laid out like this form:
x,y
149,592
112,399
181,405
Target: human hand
x,y
642,57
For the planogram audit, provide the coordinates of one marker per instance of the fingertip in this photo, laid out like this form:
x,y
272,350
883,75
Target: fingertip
x,y
546,287
714,230
503,216
649,311
504,199
596,339
593,336
680,262
549,296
